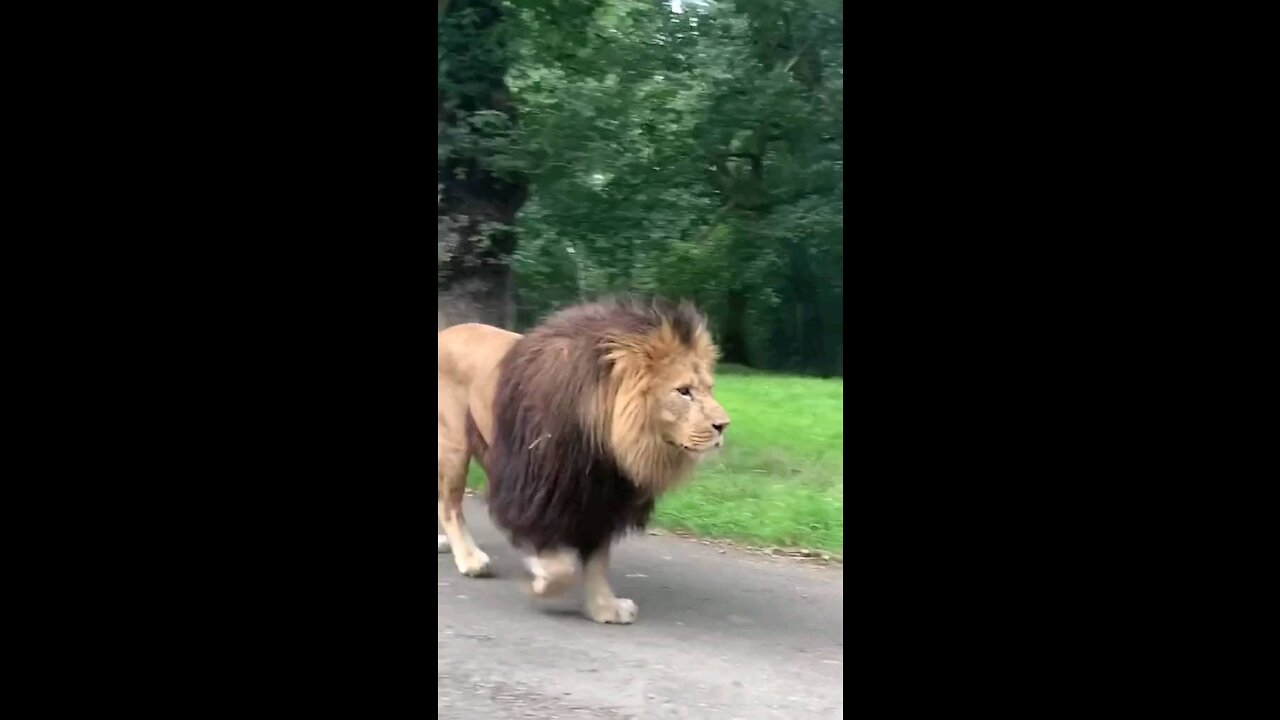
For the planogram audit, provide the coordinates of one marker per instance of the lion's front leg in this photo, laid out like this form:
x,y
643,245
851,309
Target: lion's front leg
x,y
553,571
601,604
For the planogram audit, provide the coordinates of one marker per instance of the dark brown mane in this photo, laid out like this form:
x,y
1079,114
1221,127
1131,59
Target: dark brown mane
x,y
553,481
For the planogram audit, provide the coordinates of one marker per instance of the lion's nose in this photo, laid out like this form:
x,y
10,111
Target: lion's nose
x,y
720,426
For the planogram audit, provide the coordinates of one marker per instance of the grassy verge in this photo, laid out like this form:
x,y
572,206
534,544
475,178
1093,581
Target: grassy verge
x,y
780,479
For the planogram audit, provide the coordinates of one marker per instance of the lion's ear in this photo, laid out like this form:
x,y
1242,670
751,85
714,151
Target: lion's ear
x,y
704,347
634,356
624,348
642,353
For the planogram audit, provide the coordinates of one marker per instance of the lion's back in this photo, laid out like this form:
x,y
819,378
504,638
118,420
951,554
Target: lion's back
x,y
468,351
467,363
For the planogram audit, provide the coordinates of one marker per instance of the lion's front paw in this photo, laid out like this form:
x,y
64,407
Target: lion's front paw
x,y
442,544
476,564
613,610
551,576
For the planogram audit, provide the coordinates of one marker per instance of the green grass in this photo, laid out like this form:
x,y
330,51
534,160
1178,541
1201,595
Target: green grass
x,y
780,479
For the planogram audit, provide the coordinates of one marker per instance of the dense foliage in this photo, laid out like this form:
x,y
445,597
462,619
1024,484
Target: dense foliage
x,y
629,145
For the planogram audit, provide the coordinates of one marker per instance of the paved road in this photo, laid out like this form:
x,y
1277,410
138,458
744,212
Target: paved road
x,y
719,635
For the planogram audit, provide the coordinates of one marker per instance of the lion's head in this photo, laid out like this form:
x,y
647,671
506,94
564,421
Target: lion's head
x,y
598,410
658,397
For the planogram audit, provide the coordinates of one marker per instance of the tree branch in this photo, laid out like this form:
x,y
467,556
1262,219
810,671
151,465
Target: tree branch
x,y
794,58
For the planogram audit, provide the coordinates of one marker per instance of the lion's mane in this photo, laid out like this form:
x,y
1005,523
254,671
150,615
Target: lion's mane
x,y
573,462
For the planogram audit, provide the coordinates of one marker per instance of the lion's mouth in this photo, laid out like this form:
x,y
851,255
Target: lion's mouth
x,y
697,450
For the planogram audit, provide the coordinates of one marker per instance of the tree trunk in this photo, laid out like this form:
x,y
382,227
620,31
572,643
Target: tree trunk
x,y
485,296
476,207
733,339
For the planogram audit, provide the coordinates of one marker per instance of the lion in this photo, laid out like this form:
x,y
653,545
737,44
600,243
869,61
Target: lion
x,y
579,426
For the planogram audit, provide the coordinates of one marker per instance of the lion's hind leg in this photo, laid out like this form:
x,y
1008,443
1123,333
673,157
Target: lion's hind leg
x,y
451,486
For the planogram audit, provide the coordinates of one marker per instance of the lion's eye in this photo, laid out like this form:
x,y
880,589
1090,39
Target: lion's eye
x,y
685,391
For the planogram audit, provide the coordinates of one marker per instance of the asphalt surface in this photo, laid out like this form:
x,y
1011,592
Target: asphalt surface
x,y
720,634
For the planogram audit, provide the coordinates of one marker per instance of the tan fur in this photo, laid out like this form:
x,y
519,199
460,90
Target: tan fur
x,y
601,604
467,357
654,430
553,572
656,433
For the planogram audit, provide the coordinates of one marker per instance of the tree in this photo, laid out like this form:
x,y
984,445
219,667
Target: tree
x,y
481,160
477,196
695,154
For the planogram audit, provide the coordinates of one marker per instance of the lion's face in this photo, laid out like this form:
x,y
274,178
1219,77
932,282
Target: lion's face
x,y
656,411
688,417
